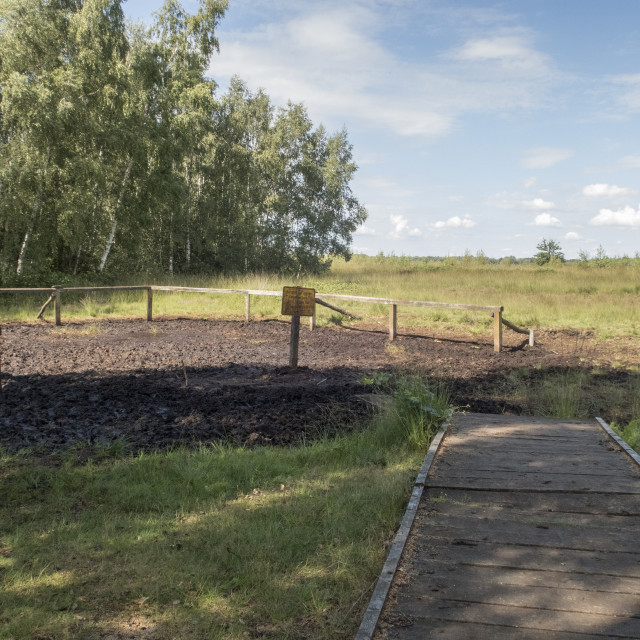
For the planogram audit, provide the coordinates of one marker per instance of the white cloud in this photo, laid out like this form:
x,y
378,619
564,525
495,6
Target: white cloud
x,y
546,220
627,217
335,57
512,51
544,157
605,190
530,182
455,222
572,235
402,229
538,204
513,201
363,230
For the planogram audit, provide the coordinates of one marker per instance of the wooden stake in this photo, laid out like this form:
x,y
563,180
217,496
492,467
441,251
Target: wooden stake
x,y
56,304
247,307
149,304
43,307
295,341
338,309
497,330
312,320
393,321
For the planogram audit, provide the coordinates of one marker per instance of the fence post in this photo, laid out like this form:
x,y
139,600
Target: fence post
x,y
295,341
497,330
247,307
312,319
56,303
393,321
149,304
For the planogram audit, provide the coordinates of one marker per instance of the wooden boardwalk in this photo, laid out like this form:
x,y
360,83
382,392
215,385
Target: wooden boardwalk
x,y
528,528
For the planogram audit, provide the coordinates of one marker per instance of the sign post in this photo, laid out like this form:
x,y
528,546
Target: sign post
x,y
296,302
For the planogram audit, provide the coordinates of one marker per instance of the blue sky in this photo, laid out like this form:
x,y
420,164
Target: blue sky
x,y
475,125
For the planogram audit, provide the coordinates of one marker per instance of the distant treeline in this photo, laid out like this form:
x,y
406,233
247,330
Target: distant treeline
x,y
598,259
117,156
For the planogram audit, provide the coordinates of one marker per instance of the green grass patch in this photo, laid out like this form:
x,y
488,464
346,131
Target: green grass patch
x,y
630,433
219,542
576,393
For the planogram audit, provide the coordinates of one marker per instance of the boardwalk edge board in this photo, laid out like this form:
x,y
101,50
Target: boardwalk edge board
x,y
372,614
612,434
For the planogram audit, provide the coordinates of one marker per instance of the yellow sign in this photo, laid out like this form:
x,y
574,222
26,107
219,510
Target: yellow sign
x,y
298,301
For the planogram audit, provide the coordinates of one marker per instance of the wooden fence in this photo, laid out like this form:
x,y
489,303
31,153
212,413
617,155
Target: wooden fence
x,y
494,310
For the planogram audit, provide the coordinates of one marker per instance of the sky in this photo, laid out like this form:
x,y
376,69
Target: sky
x,y
476,126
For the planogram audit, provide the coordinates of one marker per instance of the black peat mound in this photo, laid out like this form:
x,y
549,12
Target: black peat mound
x,y
188,381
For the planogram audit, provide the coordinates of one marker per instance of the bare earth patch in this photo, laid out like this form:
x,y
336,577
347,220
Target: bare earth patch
x,y
186,381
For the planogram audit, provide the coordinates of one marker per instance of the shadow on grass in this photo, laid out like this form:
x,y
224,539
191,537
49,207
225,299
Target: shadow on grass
x,y
564,392
200,544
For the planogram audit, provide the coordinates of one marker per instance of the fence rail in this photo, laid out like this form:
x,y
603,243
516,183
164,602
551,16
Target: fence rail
x,y
493,310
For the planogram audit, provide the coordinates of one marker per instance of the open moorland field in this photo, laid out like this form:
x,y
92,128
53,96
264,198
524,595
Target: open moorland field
x,y
143,496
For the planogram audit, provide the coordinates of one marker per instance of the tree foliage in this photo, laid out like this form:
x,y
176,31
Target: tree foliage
x,y
117,154
548,251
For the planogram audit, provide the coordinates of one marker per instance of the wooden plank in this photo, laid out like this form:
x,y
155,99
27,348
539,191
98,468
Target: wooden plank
x,y
26,290
557,562
453,630
526,460
149,304
505,587
253,292
526,532
114,288
436,575
498,513
247,307
537,483
517,617
620,505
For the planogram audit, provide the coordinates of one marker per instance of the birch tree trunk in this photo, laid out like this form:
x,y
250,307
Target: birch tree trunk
x,y
114,217
34,213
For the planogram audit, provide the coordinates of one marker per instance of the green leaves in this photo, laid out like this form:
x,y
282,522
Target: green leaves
x,y
116,154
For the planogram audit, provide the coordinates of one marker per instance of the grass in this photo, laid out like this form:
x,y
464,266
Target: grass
x,y
215,543
570,296
630,433
575,393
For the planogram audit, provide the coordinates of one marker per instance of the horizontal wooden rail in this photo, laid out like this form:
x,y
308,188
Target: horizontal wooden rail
x,y
393,303
253,292
124,288
414,303
27,290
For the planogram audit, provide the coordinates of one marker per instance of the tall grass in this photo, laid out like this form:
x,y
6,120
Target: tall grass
x,y
605,301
